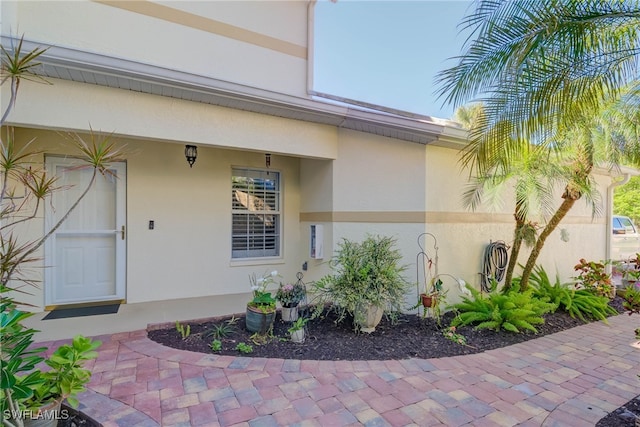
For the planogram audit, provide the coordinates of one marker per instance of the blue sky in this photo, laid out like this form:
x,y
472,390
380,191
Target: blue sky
x,y
387,52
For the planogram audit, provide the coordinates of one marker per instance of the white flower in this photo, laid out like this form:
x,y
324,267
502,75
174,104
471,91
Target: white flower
x,y
274,273
255,287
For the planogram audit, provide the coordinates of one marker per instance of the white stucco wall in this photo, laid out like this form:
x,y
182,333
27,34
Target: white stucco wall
x,y
226,40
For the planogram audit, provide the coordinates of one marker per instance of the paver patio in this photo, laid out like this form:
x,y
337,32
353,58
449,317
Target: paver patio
x,y
571,378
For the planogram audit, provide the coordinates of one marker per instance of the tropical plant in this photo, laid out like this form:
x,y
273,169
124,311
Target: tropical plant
x,y
21,385
24,389
593,277
511,310
364,274
545,71
580,303
533,176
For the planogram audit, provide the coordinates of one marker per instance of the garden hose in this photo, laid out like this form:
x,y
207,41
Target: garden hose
x,y
494,264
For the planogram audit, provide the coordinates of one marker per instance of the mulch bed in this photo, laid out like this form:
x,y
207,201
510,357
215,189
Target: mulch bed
x,y
411,336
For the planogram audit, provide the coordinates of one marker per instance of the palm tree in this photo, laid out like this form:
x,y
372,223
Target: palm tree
x,y
533,176
544,69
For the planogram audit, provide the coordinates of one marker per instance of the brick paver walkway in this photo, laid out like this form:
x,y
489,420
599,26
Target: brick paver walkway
x,y
572,378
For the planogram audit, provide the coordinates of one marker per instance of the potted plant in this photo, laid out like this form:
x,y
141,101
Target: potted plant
x,y
434,298
289,296
261,310
30,396
429,298
296,331
367,281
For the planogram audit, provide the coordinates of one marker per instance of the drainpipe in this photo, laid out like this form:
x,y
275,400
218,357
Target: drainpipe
x,y
610,189
311,7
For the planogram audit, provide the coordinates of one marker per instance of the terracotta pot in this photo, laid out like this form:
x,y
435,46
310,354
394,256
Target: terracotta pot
x,y
258,321
290,314
428,301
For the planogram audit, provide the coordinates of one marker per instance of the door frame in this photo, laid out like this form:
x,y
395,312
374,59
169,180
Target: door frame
x,y
51,162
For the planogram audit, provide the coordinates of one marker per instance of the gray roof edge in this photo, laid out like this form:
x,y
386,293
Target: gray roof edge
x,y
441,132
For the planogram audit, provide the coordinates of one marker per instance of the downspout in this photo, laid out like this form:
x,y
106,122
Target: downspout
x,y
610,189
311,7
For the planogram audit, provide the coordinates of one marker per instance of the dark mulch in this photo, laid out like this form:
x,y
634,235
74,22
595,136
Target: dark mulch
x,y
411,336
624,416
74,418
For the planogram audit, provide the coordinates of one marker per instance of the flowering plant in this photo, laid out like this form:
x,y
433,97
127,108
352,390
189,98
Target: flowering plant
x,y
290,295
262,298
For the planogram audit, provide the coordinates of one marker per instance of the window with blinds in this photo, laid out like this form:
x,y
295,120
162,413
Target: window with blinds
x,y
256,216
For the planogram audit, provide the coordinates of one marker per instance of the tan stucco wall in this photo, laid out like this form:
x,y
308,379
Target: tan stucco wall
x,y
388,187
226,40
188,253
77,106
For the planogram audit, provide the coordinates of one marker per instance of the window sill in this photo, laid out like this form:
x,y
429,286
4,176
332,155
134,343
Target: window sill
x,y
245,262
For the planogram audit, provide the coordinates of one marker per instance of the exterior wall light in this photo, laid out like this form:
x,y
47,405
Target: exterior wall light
x,y
267,160
191,152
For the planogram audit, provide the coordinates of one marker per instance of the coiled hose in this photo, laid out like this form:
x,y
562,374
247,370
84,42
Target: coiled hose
x,y
494,264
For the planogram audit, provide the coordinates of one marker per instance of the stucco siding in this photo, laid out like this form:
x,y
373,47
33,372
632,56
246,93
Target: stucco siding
x,y
188,254
224,40
78,106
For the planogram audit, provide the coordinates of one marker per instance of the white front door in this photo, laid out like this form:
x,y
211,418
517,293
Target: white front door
x,y
85,257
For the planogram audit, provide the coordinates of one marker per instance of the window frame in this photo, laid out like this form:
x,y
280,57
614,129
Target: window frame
x,y
265,252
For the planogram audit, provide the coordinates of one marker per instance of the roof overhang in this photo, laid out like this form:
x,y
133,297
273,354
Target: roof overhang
x,y
92,68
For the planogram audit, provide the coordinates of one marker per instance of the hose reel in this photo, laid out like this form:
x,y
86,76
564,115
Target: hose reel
x,y
494,264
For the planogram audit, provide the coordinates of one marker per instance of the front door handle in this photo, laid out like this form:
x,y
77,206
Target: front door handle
x,y
122,232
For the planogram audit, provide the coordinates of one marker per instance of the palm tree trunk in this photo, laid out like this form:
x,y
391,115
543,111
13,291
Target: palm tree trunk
x,y
515,249
560,213
513,258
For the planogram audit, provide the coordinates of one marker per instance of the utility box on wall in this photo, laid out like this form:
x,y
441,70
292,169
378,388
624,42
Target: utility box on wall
x,y
317,242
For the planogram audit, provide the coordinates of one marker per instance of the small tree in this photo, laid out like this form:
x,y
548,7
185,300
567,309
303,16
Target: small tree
x,y
21,385
16,167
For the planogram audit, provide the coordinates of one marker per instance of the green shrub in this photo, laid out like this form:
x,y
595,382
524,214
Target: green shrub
x,y
512,310
363,273
581,303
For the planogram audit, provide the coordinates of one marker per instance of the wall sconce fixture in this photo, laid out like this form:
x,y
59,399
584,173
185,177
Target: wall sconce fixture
x,y
267,160
191,152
